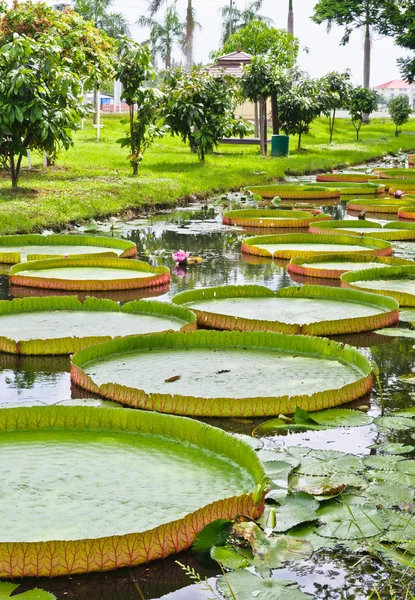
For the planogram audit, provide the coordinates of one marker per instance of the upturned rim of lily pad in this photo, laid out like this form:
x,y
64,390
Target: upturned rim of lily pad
x,y
67,557
388,309
271,218
394,231
394,272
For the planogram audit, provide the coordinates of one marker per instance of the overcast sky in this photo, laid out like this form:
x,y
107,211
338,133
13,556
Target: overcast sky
x,y
325,53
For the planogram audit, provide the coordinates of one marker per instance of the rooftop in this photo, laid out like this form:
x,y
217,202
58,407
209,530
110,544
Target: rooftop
x,y
393,84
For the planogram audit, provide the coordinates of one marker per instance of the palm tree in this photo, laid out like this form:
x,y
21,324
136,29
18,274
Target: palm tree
x,y
235,19
191,25
114,24
163,35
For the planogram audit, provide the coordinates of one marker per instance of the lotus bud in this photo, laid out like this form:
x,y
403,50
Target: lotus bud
x,y
180,257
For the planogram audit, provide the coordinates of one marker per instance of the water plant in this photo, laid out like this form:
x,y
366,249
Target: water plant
x,y
270,218
390,231
292,191
394,281
348,177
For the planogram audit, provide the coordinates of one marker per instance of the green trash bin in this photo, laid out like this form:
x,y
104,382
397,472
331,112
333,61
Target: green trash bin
x,y
280,145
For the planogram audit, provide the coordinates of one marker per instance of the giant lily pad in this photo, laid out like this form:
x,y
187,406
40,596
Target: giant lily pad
x,y
292,191
289,245
270,218
406,185
387,206
400,173
64,325
352,177
348,188
329,266
397,282
390,231
315,310
88,274
18,248
93,489
406,212
212,373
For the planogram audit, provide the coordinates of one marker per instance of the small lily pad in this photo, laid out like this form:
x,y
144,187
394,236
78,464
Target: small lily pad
x,y
397,332
396,448
407,467
296,508
351,522
6,589
246,586
382,463
396,423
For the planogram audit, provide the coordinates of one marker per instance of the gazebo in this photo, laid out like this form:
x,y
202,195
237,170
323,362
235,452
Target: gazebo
x,y
233,64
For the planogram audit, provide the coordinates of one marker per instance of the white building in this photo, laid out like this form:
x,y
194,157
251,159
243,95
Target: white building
x,y
397,87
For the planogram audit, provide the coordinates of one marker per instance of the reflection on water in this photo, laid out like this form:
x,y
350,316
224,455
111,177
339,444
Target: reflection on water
x,y
45,380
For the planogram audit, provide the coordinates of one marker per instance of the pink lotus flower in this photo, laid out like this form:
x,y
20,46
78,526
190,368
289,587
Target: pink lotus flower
x,y
398,194
180,256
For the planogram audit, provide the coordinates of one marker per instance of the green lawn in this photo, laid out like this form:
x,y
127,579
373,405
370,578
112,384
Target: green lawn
x,y
93,180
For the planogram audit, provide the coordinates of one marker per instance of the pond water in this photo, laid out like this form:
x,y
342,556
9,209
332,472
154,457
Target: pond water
x,y
198,229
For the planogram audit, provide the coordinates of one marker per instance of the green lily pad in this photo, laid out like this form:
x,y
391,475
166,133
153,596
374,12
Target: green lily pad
x,y
278,472
6,589
329,462
229,558
382,463
396,448
401,526
341,417
246,586
296,508
394,423
389,495
397,332
308,533
407,467
325,486
351,522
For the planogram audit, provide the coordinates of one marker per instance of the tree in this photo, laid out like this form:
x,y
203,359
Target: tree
x,y
334,94
234,19
352,15
299,106
199,107
164,34
114,24
400,111
134,69
398,20
257,38
361,102
40,99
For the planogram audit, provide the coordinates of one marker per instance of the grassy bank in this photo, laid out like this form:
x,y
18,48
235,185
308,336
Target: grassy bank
x,y
93,180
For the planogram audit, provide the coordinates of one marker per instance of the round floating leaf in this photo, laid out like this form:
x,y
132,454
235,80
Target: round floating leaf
x,y
382,463
214,534
406,466
312,310
396,282
280,456
327,462
341,417
388,495
270,218
125,467
397,332
308,532
351,522
401,526
246,586
396,448
326,486
6,589
295,509
294,191
209,373
229,558
394,423
278,472
392,477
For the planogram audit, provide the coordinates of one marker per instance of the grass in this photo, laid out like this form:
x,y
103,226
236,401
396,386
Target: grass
x,y
93,180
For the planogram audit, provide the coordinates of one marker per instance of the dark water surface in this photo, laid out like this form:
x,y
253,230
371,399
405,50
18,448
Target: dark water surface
x,y
198,229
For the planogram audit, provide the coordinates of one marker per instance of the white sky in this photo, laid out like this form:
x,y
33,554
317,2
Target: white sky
x,y
325,52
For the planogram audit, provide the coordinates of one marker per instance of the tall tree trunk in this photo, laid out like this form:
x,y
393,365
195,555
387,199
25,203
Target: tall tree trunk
x,y
263,135
189,35
299,141
331,121
15,170
168,61
290,24
132,145
256,120
275,117
366,64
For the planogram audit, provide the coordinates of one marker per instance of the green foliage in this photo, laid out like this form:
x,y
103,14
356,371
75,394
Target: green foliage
x,y
164,34
247,586
133,69
40,99
199,108
334,94
6,589
214,534
90,53
234,19
114,24
257,38
398,20
299,107
361,101
400,111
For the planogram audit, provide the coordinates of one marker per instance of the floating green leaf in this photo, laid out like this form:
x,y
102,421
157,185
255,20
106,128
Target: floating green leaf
x,y
351,522
296,508
407,467
382,463
342,417
397,332
246,586
328,462
394,423
6,589
229,558
396,448
214,534
325,486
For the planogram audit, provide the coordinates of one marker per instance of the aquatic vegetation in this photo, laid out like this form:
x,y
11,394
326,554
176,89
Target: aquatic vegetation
x,y
395,173
310,310
386,206
348,188
209,373
332,266
270,218
6,589
291,191
90,273
18,248
287,246
390,231
63,325
126,466
348,177
397,282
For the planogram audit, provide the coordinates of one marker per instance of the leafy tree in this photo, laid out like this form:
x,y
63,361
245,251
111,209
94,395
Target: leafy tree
x,y
262,79
164,34
134,69
257,38
398,20
91,52
299,106
352,15
334,93
97,11
235,19
40,99
361,102
199,108
400,111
